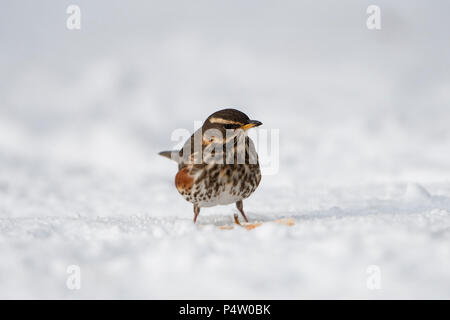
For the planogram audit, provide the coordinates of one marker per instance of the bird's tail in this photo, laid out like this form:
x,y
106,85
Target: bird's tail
x,y
171,154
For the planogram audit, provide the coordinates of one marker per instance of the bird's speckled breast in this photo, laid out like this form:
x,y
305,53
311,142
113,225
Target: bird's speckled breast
x,y
222,184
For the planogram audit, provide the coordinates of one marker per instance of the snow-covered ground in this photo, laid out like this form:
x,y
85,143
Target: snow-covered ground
x,y
363,165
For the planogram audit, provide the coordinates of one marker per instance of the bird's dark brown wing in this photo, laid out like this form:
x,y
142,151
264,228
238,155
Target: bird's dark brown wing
x,y
191,153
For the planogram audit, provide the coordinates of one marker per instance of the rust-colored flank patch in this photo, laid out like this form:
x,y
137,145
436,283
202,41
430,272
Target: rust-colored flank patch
x,y
183,180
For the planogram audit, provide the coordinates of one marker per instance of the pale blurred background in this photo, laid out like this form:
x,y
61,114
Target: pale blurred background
x,y
110,94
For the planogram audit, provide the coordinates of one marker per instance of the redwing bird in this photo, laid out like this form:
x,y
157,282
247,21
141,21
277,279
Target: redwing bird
x,y
218,165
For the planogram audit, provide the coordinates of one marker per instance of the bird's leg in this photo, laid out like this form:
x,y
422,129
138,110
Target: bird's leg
x,y
240,207
236,219
196,212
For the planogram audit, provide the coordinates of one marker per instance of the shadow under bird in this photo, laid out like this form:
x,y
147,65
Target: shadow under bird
x,y
218,164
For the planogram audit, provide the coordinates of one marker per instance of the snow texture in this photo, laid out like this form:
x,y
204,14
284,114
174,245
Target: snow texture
x,y
364,153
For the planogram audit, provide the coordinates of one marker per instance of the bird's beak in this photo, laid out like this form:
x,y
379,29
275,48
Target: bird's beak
x,y
251,124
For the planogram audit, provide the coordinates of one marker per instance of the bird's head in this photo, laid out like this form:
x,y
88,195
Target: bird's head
x,y
228,122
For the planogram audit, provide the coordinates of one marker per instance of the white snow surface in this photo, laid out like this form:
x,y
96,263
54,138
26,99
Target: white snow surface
x,y
364,153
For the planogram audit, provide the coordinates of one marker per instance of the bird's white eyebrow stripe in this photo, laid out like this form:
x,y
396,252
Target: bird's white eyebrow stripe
x,y
223,121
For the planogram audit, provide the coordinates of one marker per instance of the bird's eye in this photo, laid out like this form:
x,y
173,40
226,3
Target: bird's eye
x,y
228,126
